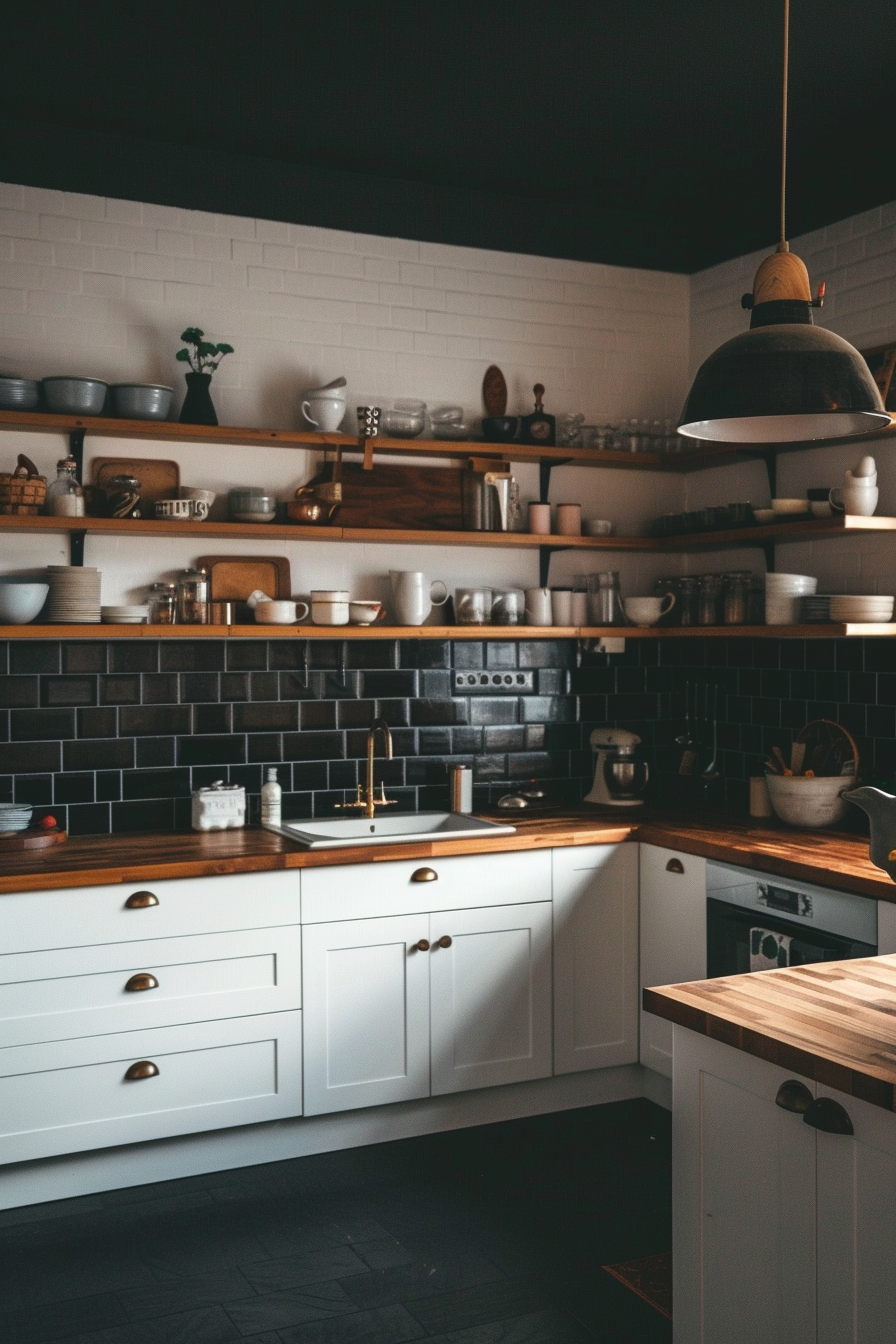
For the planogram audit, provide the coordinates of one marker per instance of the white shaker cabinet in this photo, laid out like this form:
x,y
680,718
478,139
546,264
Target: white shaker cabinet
x,y
781,1232
425,1001
673,937
595,956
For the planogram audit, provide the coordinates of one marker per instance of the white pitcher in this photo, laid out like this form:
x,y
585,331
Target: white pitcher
x,y
414,595
324,411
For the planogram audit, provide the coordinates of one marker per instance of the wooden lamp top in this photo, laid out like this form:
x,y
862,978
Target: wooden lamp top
x,y
781,276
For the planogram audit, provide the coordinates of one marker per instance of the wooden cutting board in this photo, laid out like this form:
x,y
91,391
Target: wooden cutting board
x,y
402,497
31,840
233,577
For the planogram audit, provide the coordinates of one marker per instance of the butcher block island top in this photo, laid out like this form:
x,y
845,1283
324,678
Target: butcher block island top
x,y
833,1022
827,858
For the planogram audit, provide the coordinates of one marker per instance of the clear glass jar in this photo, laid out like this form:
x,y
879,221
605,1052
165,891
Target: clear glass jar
x,y
162,604
65,498
736,597
688,608
709,591
192,597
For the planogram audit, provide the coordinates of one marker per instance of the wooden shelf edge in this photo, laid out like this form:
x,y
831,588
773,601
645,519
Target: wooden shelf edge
x,y
831,630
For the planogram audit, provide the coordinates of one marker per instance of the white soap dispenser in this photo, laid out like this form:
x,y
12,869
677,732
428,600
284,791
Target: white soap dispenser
x,y
271,798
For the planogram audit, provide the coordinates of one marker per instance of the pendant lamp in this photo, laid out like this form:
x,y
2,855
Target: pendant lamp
x,y
785,380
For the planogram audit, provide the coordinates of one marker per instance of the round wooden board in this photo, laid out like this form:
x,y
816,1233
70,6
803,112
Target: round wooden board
x,y
31,840
494,391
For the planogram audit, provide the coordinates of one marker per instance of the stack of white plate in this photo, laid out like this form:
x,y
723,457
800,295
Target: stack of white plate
x,y
14,817
782,597
872,609
125,615
74,597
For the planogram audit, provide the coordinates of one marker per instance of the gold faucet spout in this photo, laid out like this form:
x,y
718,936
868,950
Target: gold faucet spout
x,y
378,726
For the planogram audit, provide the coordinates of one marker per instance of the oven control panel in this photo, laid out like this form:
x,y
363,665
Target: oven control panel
x,y
783,900
841,913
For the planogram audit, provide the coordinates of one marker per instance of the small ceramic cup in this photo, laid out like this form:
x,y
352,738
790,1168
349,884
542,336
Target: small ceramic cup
x,y
538,606
364,612
279,611
647,610
182,509
329,606
561,606
540,519
569,520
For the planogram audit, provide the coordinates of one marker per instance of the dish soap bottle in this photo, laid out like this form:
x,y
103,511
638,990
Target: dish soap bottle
x,y
271,798
538,427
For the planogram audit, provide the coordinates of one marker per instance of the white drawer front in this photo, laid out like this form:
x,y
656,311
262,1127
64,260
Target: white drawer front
x,y
81,915
83,991
462,882
70,1096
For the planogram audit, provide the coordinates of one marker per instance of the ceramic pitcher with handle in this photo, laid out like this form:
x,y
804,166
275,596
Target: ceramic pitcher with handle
x,y
414,595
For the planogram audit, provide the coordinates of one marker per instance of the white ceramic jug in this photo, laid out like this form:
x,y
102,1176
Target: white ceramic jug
x,y
324,410
414,595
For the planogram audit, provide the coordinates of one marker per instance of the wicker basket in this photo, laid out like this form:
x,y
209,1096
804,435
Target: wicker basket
x,y
23,490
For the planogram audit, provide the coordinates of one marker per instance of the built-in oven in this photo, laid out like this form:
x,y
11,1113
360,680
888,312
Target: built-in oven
x,y
758,922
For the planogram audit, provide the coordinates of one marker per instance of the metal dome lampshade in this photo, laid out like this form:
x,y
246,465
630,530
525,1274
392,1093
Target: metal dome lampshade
x,y
785,380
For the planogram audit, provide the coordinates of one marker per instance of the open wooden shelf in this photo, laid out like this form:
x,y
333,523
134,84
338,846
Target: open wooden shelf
x,y
453,632
813,529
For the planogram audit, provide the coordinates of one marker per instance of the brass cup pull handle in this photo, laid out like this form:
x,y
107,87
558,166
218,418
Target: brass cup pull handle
x,y
424,875
144,1068
421,946
675,866
142,981
141,900
794,1096
828,1116
444,941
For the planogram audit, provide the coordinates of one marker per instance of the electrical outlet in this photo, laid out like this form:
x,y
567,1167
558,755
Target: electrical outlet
x,y
494,683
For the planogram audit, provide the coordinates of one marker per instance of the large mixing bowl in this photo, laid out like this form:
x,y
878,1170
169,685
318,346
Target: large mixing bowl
x,y
141,401
809,801
74,396
21,599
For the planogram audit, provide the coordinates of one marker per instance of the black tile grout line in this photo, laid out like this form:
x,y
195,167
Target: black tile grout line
x,y
418,1238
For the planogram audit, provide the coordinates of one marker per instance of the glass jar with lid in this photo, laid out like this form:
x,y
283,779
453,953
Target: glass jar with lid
x,y
709,599
193,597
65,498
736,597
162,603
688,608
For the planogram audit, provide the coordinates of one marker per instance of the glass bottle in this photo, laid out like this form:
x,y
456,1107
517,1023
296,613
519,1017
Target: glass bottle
x,y
65,498
192,597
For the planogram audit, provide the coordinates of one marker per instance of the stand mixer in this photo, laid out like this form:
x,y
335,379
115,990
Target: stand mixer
x,y
619,776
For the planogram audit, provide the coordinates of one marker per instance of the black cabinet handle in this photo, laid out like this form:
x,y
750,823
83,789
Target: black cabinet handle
x,y
675,866
794,1096
828,1116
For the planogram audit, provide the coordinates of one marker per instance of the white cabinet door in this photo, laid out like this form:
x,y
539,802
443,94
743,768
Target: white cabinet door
x,y
595,956
490,996
743,1196
673,937
366,994
856,1226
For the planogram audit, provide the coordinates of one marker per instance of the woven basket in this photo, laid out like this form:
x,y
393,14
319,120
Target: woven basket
x,y
23,490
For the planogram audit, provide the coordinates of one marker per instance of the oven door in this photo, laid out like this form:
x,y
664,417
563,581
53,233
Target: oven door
x,y
739,940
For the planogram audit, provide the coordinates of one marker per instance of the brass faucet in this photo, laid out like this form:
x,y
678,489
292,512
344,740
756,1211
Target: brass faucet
x,y
365,798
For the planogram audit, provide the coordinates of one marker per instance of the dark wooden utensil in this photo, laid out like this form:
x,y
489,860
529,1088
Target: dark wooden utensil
x,y
494,391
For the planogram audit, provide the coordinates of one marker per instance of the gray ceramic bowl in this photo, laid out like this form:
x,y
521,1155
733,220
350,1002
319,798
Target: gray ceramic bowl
x,y
74,396
20,600
18,394
141,401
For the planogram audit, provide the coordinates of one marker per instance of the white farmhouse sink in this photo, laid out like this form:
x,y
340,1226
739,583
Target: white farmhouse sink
x,y
404,827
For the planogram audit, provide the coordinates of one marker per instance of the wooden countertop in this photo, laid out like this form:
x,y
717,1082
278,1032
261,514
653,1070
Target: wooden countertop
x,y
833,1022
828,858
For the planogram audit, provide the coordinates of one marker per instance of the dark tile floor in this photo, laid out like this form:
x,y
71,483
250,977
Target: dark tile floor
x,y
473,1237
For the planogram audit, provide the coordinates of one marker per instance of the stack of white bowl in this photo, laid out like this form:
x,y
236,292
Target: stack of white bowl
x,y
872,609
782,597
14,817
74,597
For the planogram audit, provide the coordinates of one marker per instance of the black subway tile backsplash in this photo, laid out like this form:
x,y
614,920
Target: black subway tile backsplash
x,y
115,735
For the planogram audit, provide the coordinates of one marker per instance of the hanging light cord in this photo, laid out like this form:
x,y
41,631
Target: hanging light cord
x,y
783,245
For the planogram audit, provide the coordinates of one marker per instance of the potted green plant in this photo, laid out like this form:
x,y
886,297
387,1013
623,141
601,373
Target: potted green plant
x,y
203,358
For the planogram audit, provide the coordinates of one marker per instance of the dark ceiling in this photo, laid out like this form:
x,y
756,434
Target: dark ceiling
x,y
635,134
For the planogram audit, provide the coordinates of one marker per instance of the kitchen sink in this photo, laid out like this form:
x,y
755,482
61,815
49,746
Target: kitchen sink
x,y
403,828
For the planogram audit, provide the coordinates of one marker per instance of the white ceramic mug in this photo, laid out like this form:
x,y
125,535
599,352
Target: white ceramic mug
x,y
647,610
280,611
539,610
414,595
329,606
855,498
182,509
324,413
